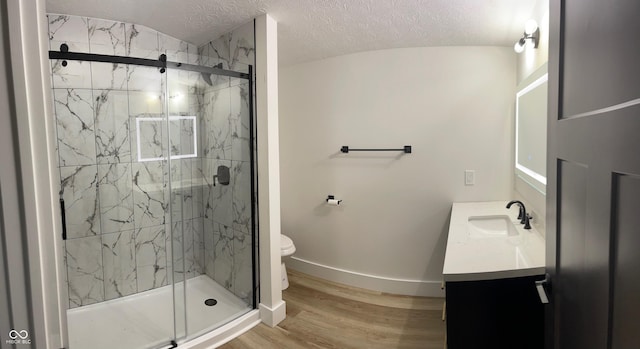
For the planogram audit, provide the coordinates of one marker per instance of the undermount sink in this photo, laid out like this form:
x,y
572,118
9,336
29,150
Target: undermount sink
x,y
483,227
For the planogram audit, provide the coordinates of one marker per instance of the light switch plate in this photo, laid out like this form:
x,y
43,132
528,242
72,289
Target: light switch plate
x,y
469,177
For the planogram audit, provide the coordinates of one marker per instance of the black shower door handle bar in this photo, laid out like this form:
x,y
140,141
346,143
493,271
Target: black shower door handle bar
x,y
346,149
64,219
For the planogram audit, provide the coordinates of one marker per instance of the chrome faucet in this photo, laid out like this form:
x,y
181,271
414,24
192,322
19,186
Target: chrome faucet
x,y
523,216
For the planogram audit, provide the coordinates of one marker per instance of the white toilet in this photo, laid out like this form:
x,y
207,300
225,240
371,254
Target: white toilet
x,y
287,248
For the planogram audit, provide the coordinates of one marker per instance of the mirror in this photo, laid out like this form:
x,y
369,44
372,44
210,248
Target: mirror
x,y
531,130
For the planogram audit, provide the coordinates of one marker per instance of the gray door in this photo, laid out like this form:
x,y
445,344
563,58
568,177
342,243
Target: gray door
x,y
593,223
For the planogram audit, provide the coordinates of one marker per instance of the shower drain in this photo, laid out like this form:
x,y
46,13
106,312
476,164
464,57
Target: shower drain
x,y
210,302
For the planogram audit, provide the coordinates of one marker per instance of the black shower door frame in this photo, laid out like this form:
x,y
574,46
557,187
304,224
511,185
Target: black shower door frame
x,y
163,64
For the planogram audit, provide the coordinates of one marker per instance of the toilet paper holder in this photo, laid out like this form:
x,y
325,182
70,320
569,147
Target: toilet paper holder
x,y
331,200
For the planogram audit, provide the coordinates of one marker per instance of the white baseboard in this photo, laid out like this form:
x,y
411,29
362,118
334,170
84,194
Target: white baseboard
x,y
273,316
367,281
225,333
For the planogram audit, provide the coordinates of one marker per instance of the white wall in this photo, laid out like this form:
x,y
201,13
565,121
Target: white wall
x,y
454,105
272,308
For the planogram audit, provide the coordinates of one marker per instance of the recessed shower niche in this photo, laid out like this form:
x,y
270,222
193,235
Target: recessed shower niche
x,y
144,122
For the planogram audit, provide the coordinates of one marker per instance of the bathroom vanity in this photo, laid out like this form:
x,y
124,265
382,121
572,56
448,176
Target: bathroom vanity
x,y
490,268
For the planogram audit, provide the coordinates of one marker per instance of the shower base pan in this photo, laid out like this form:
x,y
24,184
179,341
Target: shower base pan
x,y
146,319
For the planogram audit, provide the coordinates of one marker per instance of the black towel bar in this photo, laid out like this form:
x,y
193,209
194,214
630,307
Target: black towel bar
x,y
406,149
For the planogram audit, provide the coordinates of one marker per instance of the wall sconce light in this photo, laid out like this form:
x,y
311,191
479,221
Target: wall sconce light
x,y
532,33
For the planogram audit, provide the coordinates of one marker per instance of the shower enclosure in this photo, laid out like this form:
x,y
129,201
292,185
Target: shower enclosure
x,y
155,147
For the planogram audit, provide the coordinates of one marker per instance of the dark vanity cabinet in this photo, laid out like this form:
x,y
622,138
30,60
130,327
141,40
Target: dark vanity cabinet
x,y
494,314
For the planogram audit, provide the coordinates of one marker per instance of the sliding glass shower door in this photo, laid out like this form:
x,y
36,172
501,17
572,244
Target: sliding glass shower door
x,y
112,138
211,201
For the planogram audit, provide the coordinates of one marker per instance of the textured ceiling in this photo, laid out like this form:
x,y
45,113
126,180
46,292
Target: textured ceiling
x,y
315,29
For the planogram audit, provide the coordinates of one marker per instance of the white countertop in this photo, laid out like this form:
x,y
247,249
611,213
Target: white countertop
x,y
468,258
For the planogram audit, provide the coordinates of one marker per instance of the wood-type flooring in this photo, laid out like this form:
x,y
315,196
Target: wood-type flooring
x,y
324,314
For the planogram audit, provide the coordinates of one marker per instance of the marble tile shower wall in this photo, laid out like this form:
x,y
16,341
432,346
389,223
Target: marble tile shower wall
x,y
107,118
227,209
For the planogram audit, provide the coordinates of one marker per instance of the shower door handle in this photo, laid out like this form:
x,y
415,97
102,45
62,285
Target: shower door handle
x,y
64,219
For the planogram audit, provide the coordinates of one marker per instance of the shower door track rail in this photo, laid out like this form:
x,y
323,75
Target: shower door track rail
x,y
161,62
